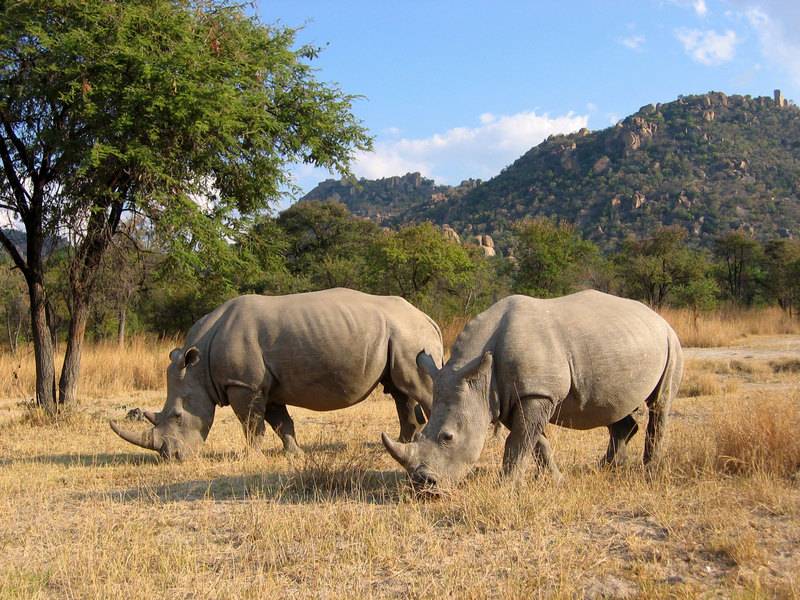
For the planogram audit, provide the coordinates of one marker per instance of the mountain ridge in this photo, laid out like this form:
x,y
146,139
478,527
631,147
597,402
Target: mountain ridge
x,y
709,162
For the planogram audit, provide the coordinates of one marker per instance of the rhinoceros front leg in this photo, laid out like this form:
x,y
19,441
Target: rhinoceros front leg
x,y
527,440
412,418
249,406
620,434
278,418
412,415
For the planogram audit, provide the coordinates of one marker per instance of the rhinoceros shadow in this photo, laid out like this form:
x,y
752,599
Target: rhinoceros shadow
x,y
84,460
299,487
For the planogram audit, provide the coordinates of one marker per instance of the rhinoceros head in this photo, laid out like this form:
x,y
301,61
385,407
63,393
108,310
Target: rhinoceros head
x,y
451,443
183,424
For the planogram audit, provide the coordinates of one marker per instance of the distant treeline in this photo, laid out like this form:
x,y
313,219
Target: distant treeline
x,y
317,245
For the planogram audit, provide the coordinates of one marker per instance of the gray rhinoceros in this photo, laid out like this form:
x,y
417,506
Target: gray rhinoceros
x,y
321,350
581,361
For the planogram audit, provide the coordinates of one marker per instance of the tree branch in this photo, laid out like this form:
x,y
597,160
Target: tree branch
x,y
12,250
19,146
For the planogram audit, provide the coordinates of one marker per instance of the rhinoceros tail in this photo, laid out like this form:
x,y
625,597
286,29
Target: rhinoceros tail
x,y
661,398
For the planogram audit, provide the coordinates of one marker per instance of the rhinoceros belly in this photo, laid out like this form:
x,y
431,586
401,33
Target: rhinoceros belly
x,y
612,388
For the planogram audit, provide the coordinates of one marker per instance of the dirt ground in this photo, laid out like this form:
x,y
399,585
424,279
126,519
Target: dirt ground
x,y
757,347
94,517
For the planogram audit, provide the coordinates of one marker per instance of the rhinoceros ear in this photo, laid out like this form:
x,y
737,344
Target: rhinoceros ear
x,y
192,356
484,369
182,360
425,362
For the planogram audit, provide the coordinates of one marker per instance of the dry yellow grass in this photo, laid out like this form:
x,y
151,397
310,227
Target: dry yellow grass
x,y
106,369
723,327
90,516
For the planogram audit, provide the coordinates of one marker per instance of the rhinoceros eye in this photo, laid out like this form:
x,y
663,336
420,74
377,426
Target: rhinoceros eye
x,y
445,437
177,416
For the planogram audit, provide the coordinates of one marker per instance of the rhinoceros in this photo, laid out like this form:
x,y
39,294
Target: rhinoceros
x,y
580,361
319,350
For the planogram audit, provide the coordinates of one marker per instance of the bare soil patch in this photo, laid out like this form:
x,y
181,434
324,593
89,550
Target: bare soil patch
x,y
754,347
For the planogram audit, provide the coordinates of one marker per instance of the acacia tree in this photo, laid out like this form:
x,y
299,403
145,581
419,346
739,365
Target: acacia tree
x,y
186,112
412,261
653,268
552,258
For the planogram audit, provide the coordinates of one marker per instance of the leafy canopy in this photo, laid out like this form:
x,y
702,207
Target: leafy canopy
x,y
187,111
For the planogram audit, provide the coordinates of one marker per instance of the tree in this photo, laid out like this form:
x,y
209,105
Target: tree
x,y
12,305
186,112
552,258
129,265
780,260
327,244
738,255
653,267
411,261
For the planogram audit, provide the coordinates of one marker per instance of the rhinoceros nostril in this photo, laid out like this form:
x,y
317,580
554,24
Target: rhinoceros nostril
x,y
423,481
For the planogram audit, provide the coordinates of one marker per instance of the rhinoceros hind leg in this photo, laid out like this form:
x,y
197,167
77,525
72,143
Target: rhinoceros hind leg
x,y
278,418
660,400
620,434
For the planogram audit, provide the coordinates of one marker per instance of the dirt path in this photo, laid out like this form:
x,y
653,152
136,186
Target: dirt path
x,y
755,347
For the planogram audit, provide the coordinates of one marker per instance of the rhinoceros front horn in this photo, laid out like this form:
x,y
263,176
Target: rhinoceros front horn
x,y
402,453
144,439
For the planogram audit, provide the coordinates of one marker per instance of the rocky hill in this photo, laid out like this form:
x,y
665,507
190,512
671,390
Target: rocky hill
x,y
710,163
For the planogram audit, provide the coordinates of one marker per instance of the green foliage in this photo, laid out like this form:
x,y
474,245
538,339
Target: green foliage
x,y
780,269
552,259
409,262
654,267
738,257
326,244
190,112
709,163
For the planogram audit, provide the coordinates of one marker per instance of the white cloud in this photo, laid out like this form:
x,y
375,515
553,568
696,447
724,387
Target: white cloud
x,y
709,47
700,8
463,152
634,42
780,44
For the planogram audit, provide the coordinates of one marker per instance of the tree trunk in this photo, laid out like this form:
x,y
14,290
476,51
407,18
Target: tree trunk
x,y
70,372
84,267
42,349
121,327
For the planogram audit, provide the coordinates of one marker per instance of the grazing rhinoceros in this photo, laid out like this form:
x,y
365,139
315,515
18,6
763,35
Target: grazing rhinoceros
x,y
581,361
321,350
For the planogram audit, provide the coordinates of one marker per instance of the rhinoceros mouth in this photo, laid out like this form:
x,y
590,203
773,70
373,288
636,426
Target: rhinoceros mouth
x,y
425,482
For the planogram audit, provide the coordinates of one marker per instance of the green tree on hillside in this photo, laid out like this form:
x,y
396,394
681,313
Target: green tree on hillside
x,y
738,256
552,258
654,267
186,112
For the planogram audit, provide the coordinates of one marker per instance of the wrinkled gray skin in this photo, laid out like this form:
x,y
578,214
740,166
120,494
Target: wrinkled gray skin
x,y
321,350
581,361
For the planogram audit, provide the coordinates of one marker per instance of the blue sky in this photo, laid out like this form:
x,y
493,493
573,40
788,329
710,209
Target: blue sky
x,y
462,89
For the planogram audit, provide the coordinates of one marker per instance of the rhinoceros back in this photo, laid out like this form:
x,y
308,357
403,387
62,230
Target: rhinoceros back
x,y
320,350
595,355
